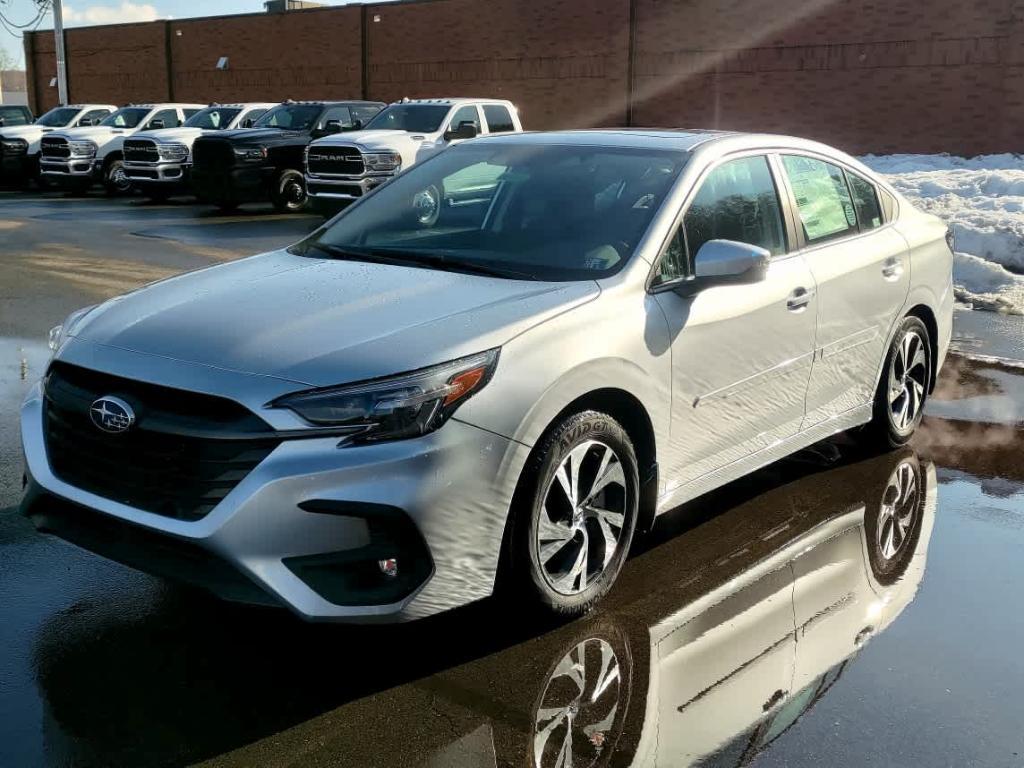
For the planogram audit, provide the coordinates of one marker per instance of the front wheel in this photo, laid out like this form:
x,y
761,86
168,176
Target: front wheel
x,y
115,179
903,387
575,515
290,192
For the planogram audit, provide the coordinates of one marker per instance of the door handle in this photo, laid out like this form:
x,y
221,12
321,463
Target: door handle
x,y
798,300
892,268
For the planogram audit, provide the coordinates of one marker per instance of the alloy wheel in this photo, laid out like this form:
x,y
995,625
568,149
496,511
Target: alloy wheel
x,y
908,380
582,518
578,707
896,512
119,179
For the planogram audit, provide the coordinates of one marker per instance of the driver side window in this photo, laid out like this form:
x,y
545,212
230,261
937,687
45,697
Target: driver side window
x,y
165,118
465,115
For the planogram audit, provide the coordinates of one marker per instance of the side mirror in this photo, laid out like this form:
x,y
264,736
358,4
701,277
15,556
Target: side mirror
x,y
725,262
248,122
331,127
467,130
87,122
155,125
357,125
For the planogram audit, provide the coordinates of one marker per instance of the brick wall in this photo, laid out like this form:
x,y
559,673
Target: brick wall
x,y
865,75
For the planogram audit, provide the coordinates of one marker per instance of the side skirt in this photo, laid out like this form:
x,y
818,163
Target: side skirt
x,y
741,467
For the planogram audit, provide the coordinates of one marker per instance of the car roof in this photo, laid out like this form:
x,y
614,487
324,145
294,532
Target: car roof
x,y
680,139
451,101
332,102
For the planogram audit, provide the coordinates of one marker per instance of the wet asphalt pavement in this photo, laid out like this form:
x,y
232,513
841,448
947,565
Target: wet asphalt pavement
x,y
755,625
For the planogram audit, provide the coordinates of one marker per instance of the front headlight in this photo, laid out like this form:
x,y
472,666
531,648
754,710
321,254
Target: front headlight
x,y
82,148
251,154
61,333
396,407
172,152
15,146
382,161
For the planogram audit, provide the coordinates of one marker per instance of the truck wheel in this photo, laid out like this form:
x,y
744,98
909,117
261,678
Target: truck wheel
x,y
115,180
290,192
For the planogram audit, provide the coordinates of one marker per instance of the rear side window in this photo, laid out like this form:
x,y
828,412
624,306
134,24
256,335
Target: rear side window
x,y
341,114
499,119
822,198
865,201
165,118
364,114
93,115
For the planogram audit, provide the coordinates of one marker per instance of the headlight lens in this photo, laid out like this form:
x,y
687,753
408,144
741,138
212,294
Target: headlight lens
x,y
382,161
172,151
82,148
251,154
61,333
15,146
397,407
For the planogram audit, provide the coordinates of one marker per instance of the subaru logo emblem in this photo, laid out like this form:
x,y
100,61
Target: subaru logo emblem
x,y
112,414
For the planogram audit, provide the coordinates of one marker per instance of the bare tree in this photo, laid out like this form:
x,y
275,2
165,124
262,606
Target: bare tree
x,y
7,61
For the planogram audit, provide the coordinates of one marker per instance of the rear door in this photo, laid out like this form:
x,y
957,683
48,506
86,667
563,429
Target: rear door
x,y
862,270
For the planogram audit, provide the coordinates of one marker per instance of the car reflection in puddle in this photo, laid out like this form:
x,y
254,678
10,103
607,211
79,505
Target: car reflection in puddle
x,y
716,640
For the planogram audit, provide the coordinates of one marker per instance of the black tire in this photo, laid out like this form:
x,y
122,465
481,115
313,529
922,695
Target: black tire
x,y
290,192
886,429
892,527
115,181
541,496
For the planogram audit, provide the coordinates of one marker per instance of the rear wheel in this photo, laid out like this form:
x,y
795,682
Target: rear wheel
x,y
903,387
290,192
575,515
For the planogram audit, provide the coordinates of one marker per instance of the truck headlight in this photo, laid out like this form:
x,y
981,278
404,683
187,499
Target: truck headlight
x,y
14,146
251,154
173,152
396,407
382,161
61,333
82,148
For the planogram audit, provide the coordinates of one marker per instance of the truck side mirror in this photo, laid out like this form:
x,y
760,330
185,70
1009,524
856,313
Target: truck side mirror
x,y
357,125
467,130
248,122
331,127
155,125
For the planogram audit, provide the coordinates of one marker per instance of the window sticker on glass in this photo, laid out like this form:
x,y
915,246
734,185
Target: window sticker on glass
x,y
822,197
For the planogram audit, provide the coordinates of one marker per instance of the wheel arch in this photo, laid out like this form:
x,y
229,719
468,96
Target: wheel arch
x,y
926,315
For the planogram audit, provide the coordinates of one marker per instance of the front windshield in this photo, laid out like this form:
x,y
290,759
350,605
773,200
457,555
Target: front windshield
x,y
213,118
57,118
129,117
293,117
540,212
415,118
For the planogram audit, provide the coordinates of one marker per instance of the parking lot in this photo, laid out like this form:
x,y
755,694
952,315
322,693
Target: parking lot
x,y
690,660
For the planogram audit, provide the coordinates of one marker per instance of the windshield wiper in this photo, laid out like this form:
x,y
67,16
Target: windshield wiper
x,y
419,258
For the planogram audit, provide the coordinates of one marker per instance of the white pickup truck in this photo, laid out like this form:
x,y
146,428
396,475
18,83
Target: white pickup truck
x,y
345,166
19,144
158,163
78,157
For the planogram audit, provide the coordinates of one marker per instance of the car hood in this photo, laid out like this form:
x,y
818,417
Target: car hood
x,y
373,139
321,322
176,135
95,132
26,132
260,136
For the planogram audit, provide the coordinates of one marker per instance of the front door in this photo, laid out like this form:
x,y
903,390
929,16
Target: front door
x,y
741,354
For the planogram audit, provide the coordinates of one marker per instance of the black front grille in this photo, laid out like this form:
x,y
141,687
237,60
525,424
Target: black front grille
x,y
212,155
54,147
183,455
335,160
140,151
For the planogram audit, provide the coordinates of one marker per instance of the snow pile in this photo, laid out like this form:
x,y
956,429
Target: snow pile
x,y
983,199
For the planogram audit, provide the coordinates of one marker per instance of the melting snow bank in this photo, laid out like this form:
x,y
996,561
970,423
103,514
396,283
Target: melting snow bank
x,y
983,199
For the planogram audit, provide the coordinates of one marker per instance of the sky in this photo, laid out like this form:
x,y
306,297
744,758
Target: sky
x,y
82,12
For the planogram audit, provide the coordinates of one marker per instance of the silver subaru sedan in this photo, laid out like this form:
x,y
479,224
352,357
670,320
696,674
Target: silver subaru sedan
x,y
491,373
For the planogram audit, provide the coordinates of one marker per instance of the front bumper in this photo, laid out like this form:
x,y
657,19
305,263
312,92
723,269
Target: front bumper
x,y
240,184
158,174
72,170
306,528
339,188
